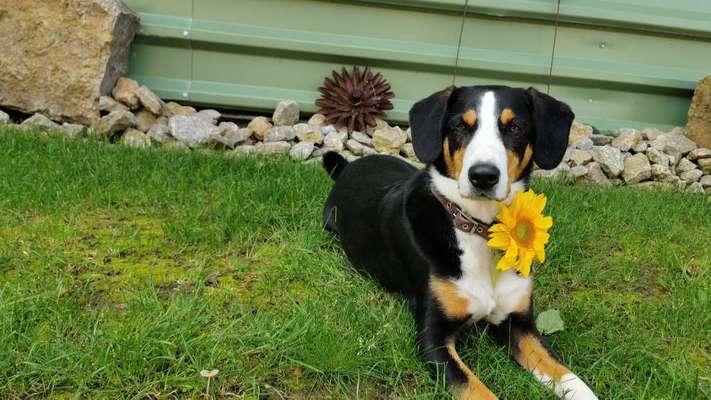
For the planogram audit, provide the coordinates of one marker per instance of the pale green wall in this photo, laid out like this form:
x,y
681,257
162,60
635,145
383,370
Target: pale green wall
x,y
618,63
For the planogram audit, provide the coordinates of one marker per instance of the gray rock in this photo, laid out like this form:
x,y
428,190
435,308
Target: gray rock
x,y
40,121
173,109
192,130
580,157
705,181
379,124
355,147
578,171
218,142
560,171
125,92
4,118
301,151
684,165
332,142
309,133
349,156
115,122
160,132
408,150
695,187
651,133
678,145
640,147
135,138
637,169
409,134
610,160
601,140
362,138
244,149
584,144
209,115
705,165
233,135
145,120
259,126
149,100
389,140
72,131
691,176
626,139
286,113
280,134
662,173
272,148
317,120
579,132
108,104
658,157
596,175
699,153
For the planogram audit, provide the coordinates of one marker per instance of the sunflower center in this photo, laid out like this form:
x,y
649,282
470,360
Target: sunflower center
x,y
524,232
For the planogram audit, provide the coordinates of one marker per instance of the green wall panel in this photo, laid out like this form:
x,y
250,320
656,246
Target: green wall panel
x,y
618,63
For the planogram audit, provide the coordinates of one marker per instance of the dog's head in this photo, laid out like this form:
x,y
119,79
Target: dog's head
x,y
486,137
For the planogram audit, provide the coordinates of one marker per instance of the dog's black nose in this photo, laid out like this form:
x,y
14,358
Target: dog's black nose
x,y
484,176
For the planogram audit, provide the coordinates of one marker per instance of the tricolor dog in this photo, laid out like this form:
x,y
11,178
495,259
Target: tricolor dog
x,y
422,233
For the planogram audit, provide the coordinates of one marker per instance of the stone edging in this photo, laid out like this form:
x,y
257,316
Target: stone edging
x,y
136,117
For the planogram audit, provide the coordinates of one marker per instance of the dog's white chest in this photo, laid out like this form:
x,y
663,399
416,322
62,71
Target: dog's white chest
x,y
493,299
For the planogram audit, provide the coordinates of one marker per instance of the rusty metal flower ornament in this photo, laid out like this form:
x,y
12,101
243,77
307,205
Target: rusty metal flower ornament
x,y
355,99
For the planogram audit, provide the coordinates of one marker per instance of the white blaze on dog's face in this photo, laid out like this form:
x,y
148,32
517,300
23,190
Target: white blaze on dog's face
x,y
484,139
484,168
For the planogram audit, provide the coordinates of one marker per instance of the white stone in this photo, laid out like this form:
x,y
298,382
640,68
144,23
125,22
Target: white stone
x,y
301,151
317,120
699,153
684,165
691,176
309,133
149,100
192,130
580,157
272,148
626,139
610,160
286,113
651,133
135,138
389,140
579,132
280,134
637,169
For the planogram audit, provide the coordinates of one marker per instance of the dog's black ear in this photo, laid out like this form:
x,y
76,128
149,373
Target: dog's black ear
x,y
552,121
427,119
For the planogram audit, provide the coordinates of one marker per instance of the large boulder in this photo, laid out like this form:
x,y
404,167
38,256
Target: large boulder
x,y
59,57
699,125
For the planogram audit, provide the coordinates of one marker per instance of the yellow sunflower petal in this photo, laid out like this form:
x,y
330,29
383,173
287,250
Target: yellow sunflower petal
x,y
506,217
538,203
539,247
543,223
499,240
499,228
524,262
542,237
509,259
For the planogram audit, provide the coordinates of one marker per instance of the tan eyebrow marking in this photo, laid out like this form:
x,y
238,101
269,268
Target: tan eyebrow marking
x,y
507,116
469,117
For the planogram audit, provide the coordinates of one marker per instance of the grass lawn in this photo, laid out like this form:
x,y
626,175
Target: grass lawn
x,y
124,273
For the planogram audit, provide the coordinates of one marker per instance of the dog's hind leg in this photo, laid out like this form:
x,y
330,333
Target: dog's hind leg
x,y
526,345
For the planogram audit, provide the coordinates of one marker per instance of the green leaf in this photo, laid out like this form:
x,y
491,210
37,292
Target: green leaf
x,y
549,322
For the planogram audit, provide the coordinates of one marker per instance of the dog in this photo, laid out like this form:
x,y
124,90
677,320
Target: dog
x,y
423,233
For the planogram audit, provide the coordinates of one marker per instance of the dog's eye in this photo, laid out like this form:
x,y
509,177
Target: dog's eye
x,y
514,128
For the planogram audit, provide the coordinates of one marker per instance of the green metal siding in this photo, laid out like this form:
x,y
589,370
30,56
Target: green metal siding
x,y
619,63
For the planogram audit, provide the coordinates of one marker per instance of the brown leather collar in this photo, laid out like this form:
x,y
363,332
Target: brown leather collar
x,y
461,220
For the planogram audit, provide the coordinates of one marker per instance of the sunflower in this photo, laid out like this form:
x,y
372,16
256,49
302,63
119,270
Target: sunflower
x,y
522,232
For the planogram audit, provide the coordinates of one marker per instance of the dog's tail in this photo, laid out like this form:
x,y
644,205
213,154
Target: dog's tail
x,y
334,163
